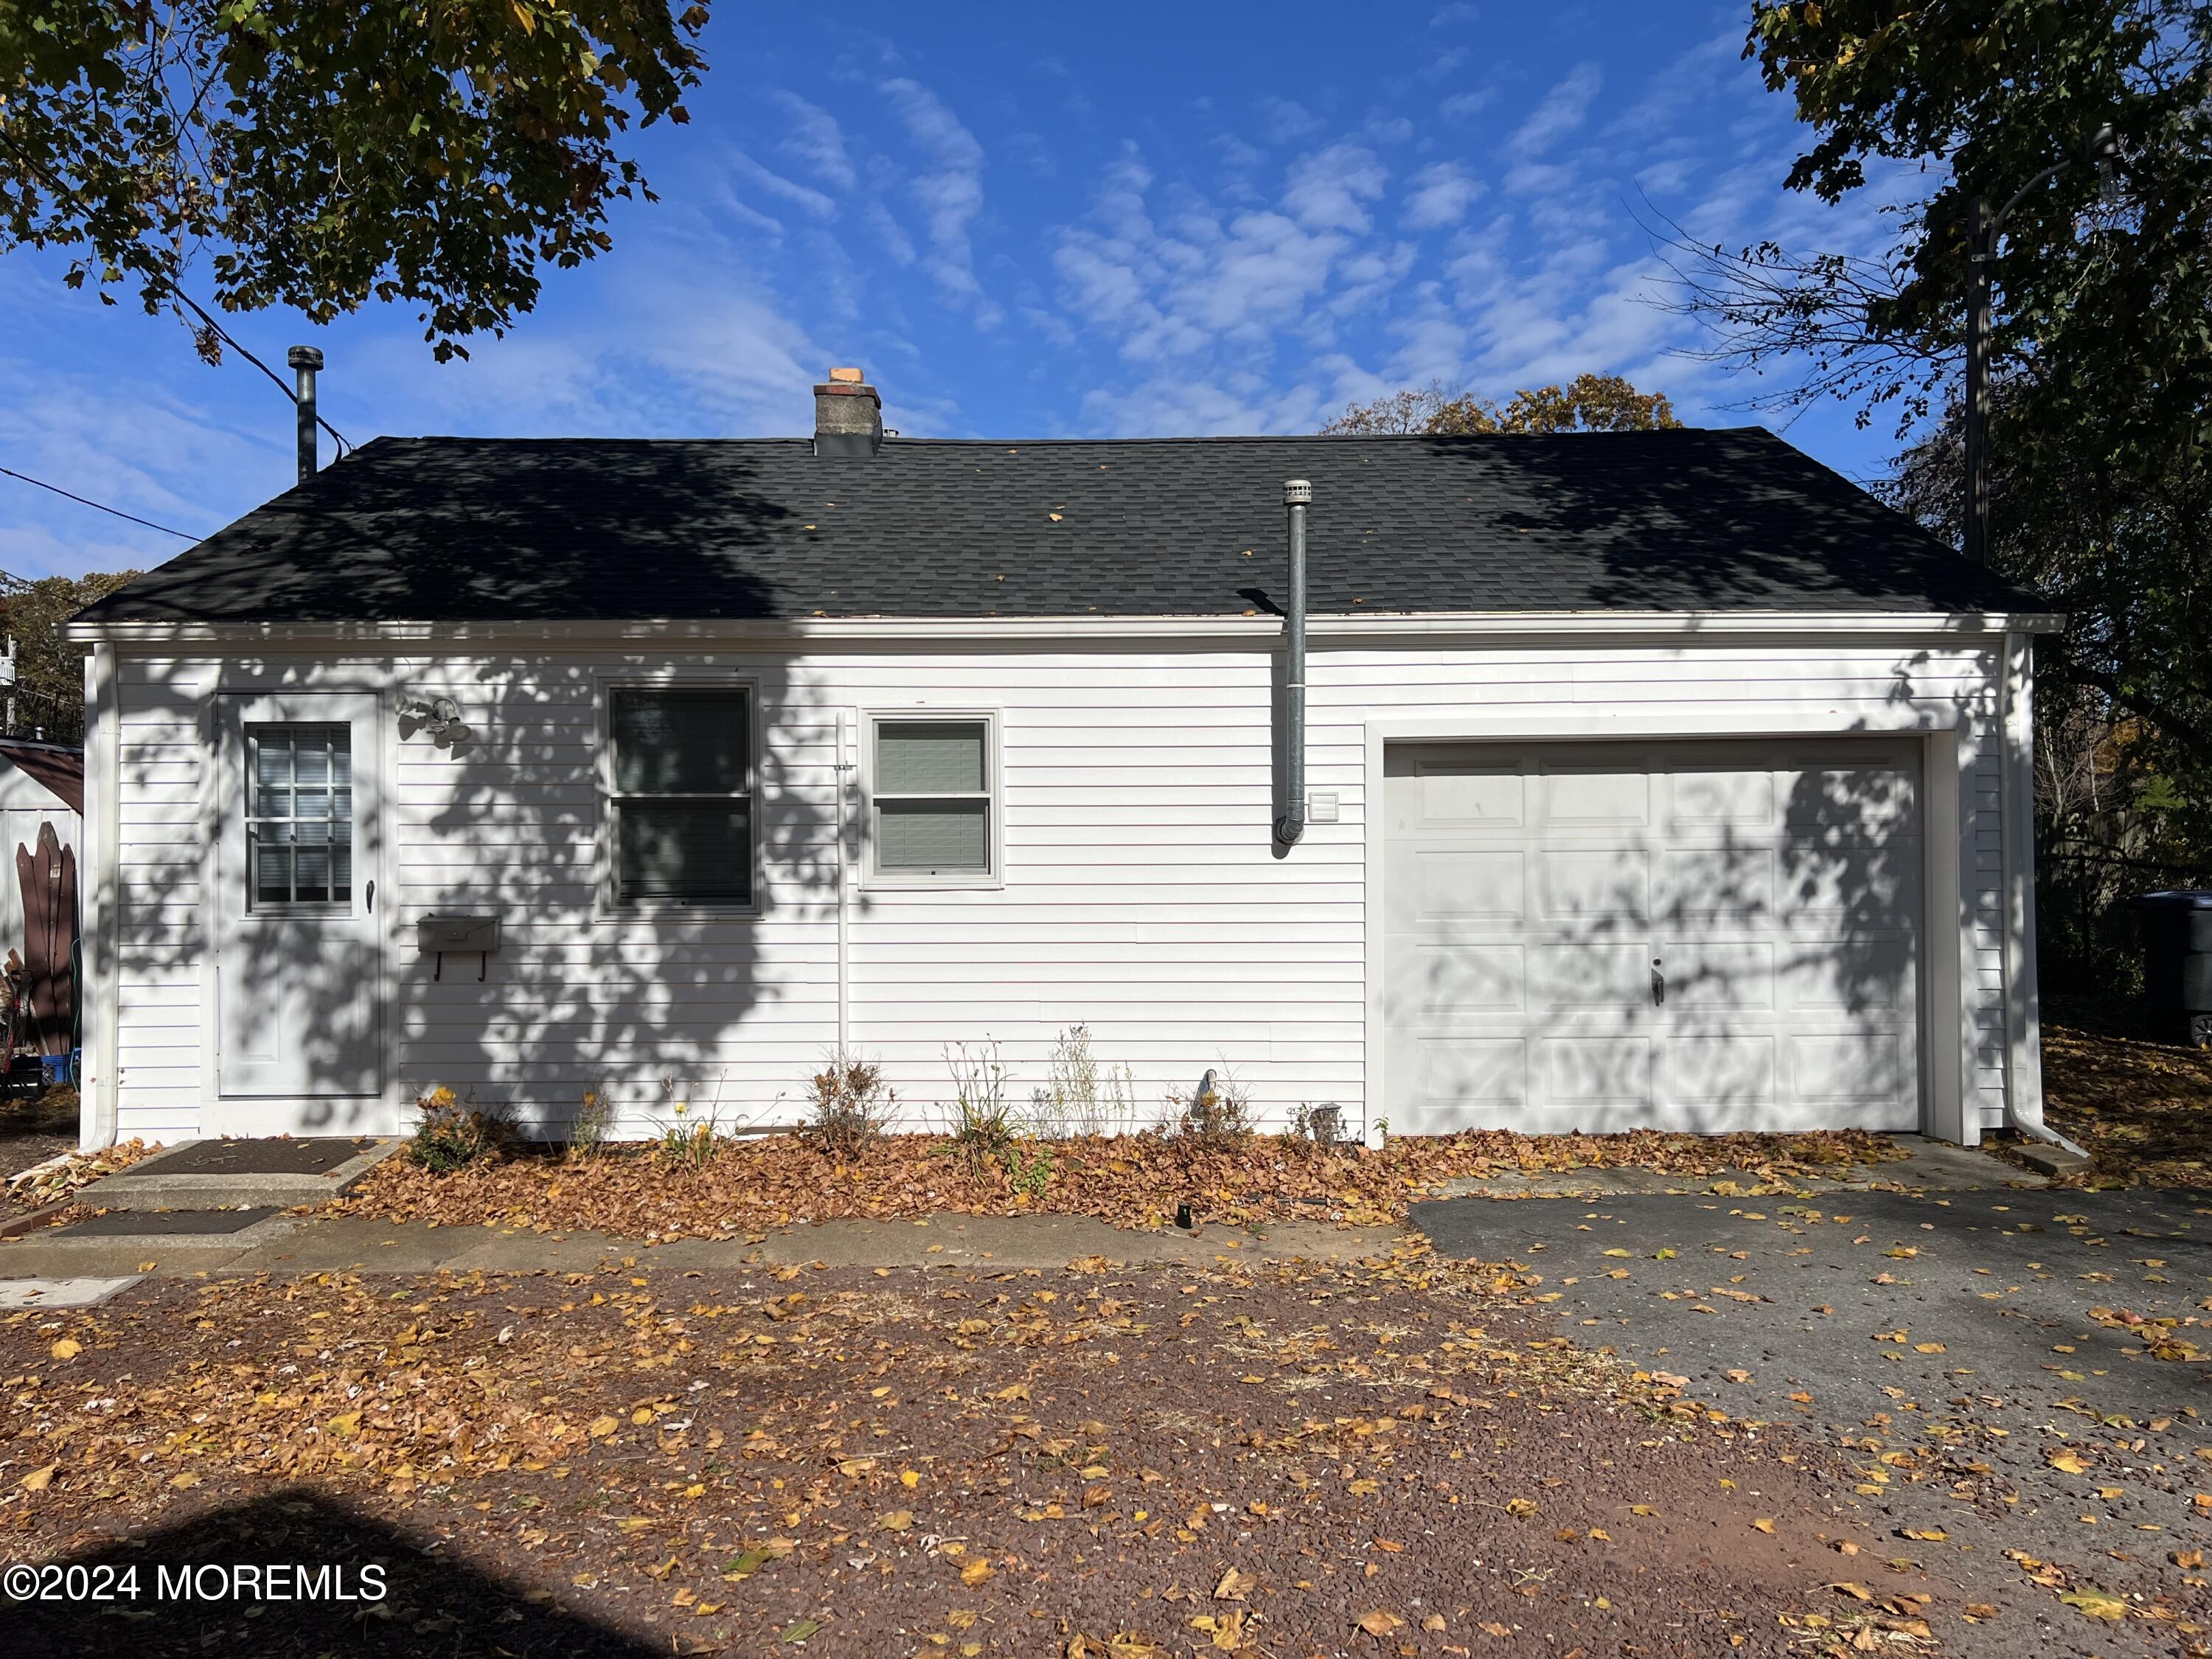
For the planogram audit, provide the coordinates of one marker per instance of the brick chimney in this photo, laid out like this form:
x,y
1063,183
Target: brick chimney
x,y
848,416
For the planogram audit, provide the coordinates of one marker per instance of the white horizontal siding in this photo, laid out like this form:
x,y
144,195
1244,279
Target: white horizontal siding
x,y
1140,891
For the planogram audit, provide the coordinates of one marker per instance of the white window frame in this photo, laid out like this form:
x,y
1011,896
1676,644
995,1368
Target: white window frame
x,y
873,876
611,901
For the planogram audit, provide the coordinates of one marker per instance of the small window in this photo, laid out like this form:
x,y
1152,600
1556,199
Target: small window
x,y
932,799
299,815
682,798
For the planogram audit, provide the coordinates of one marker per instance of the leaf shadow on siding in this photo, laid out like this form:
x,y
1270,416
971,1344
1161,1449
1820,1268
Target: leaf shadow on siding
x,y
433,1603
508,822
641,1009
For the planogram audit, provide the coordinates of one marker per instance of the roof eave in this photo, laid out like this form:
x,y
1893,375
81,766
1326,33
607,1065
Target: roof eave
x,y
1463,625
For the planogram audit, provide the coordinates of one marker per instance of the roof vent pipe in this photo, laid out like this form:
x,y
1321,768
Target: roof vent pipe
x,y
1298,494
305,361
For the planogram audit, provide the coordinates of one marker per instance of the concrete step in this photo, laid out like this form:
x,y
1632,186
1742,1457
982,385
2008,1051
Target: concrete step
x,y
278,1173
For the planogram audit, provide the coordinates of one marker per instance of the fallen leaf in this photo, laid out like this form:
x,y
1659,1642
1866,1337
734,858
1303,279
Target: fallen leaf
x,y
975,1572
896,1521
602,1427
1380,1622
2097,1604
1235,1586
1763,1524
40,1479
67,1348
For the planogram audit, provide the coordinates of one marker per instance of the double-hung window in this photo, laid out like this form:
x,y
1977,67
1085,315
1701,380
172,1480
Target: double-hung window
x,y
931,805
680,797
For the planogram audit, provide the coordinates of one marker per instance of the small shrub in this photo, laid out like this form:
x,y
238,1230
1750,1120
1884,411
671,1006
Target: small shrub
x,y
1082,1097
1314,1128
592,1126
983,1122
1028,1177
689,1139
850,1105
451,1133
688,1146
1217,1113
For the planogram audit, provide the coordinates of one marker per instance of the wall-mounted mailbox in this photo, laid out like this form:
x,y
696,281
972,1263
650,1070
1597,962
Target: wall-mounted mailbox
x,y
473,935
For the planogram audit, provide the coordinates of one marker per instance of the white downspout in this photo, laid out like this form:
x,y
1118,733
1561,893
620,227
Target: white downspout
x,y
2022,1000
844,775
99,891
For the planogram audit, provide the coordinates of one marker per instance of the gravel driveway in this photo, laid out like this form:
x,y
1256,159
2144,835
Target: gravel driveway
x,y
2024,1428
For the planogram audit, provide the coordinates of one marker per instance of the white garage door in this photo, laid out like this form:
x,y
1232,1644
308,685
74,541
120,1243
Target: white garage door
x,y
1703,936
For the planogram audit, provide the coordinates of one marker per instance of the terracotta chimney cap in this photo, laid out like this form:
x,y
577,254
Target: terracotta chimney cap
x,y
849,376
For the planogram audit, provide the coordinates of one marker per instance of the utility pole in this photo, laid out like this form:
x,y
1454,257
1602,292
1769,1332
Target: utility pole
x,y
1980,250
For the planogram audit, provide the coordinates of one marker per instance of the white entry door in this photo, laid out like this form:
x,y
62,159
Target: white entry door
x,y
299,1015
1701,936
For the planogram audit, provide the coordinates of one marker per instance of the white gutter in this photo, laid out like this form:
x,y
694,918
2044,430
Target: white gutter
x,y
845,767
1254,627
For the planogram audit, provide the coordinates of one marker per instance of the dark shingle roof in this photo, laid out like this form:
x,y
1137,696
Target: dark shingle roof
x,y
467,529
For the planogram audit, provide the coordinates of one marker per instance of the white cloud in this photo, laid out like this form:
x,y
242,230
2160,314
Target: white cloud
x,y
813,202
1464,105
949,192
1563,109
1326,191
815,140
1288,121
1441,195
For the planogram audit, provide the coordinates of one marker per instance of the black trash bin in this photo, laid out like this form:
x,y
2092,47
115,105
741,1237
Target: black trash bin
x,y
2177,930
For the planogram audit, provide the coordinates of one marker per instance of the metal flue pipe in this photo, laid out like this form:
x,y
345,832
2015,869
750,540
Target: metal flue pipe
x,y
1298,495
305,361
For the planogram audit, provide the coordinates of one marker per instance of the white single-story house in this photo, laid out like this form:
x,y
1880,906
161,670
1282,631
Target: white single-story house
x,y
1646,778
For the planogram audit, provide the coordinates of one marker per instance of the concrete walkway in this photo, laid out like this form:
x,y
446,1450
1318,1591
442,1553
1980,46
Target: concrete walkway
x,y
304,1244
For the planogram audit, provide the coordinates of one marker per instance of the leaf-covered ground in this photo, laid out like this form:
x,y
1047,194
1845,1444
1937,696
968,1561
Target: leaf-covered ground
x,y
1133,1181
1395,1459
2142,1106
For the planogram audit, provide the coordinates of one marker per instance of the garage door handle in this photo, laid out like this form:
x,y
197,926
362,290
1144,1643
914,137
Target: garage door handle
x,y
1658,985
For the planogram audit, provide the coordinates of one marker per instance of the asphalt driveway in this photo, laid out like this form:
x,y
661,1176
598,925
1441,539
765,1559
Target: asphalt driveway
x,y
1991,1364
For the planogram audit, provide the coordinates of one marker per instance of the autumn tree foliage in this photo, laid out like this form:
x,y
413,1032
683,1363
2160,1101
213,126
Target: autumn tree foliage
x,y
2102,429
1589,403
328,152
49,670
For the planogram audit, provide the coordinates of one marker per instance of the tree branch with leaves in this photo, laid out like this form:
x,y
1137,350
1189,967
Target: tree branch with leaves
x,y
322,155
1589,402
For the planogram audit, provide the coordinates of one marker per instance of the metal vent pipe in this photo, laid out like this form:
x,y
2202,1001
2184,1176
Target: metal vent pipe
x,y
1297,495
304,361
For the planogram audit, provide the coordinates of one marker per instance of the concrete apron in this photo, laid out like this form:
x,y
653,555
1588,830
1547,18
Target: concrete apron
x,y
1932,1166
301,1244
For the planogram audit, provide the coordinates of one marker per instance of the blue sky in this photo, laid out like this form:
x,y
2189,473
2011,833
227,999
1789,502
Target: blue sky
x,y
1032,221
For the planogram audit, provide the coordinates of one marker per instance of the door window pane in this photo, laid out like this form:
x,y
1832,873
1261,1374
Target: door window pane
x,y
299,821
681,804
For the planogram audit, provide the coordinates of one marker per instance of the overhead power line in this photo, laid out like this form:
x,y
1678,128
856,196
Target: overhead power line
x,y
102,507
